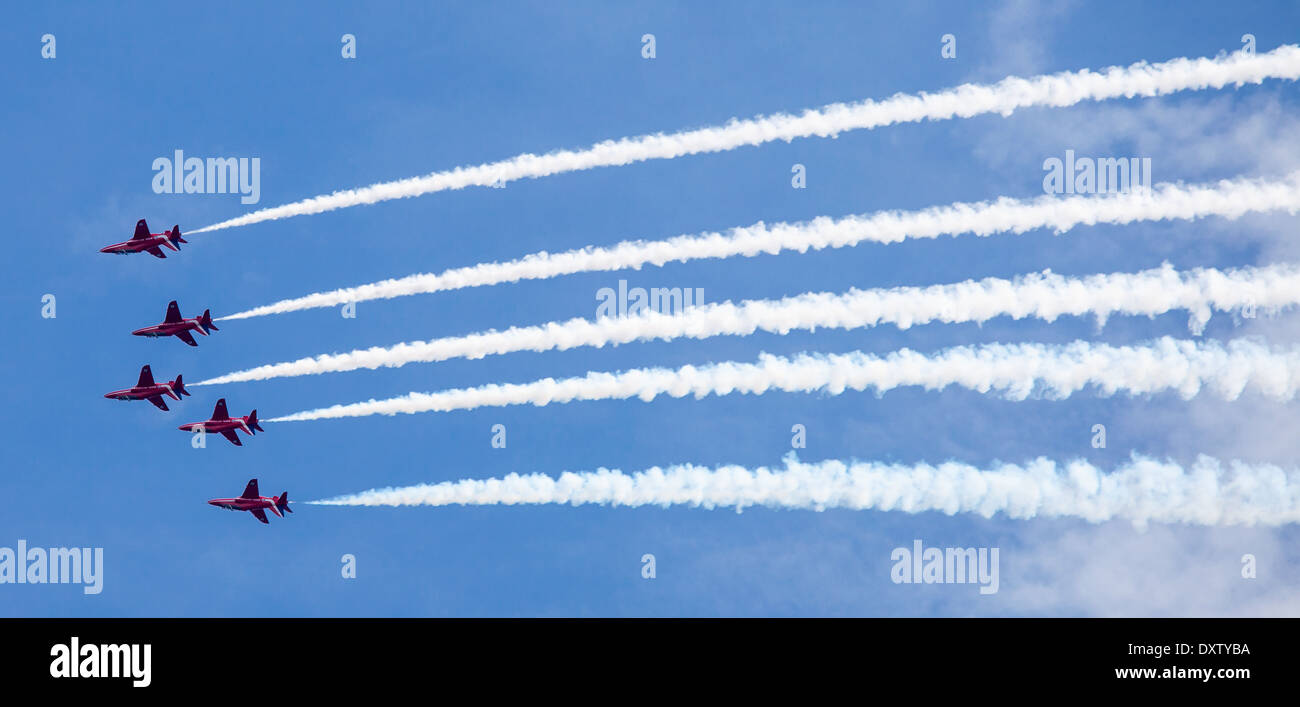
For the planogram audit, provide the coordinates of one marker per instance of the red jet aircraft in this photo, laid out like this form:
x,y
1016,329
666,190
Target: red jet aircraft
x,y
225,424
176,325
148,242
255,504
146,389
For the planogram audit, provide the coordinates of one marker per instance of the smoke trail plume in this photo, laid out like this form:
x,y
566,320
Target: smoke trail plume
x,y
1143,490
1004,97
1014,370
1045,296
1228,198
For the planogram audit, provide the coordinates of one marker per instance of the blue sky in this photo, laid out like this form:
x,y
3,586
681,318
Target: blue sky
x,y
440,85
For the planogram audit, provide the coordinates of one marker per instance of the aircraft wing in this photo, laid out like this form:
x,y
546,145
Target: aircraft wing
x,y
186,337
234,438
155,252
250,491
141,230
159,402
259,514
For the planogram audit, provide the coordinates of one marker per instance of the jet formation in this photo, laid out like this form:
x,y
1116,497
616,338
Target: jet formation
x,y
184,328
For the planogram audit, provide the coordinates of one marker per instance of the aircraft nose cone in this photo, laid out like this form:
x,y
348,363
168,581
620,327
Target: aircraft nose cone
x,y
104,249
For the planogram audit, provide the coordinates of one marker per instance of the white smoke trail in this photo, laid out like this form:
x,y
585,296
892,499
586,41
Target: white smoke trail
x,y
1004,97
1045,296
1228,198
1143,490
1014,370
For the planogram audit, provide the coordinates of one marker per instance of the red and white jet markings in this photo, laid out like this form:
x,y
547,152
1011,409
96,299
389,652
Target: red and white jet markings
x,y
180,327
225,424
144,241
254,503
146,389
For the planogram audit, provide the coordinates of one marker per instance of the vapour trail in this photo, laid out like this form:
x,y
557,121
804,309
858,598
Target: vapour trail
x,y
1013,370
1042,295
1143,490
1004,97
1229,199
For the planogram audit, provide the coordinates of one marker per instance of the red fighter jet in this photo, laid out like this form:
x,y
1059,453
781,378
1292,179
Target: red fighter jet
x,y
146,389
255,504
176,325
225,424
148,242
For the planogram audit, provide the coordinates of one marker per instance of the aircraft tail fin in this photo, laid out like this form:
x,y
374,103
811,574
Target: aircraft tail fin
x,y
179,387
282,502
205,321
174,236
252,421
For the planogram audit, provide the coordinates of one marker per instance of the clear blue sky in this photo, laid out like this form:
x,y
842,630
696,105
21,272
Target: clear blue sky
x,y
440,85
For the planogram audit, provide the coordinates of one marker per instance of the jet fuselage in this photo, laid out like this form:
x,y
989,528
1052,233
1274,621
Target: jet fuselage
x,y
143,392
136,245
